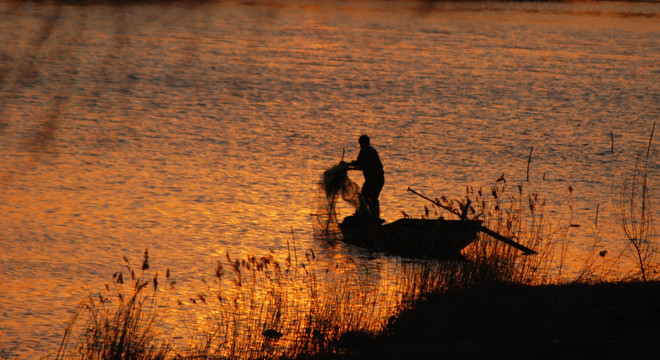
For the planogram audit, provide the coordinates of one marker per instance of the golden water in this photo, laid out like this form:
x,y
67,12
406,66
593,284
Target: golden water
x,y
197,129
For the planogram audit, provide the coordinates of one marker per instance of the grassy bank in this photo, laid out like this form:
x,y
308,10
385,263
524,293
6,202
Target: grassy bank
x,y
512,307
573,321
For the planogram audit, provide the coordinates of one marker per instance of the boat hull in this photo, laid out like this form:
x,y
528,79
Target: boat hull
x,y
412,238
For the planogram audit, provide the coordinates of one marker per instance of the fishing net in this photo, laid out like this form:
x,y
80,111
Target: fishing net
x,y
334,184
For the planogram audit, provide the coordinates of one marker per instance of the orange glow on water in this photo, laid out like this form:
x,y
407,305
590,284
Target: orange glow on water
x,y
197,131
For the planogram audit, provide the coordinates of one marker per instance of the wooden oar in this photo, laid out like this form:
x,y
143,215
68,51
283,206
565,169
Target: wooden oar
x,y
506,240
482,228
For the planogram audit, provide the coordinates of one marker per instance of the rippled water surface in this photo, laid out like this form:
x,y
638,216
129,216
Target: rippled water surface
x,y
193,130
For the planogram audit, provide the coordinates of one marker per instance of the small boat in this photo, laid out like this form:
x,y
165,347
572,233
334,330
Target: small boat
x,y
412,238
406,237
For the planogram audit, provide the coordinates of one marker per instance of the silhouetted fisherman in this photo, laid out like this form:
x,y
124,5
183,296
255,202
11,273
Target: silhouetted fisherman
x,y
374,177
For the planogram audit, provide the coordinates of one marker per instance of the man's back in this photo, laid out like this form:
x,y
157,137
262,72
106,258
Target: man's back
x,y
370,163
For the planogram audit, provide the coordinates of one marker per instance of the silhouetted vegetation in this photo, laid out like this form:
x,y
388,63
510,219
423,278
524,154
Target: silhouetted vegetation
x,y
509,321
262,307
255,308
495,303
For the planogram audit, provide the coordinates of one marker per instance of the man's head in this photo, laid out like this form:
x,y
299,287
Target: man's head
x,y
364,141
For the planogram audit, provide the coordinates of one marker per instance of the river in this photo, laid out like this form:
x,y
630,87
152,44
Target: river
x,y
193,129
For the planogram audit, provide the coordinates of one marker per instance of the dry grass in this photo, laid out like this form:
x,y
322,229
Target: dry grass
x,y
517,214
636,216
263,307
121,323
5,352
255,308
279,309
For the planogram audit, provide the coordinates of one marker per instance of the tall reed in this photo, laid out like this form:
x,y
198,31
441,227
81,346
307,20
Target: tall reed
x,y
5,351
265,308
255,308
518,214
635,215
120,323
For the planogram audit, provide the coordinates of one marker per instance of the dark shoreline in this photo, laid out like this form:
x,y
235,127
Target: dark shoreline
x,y
573,321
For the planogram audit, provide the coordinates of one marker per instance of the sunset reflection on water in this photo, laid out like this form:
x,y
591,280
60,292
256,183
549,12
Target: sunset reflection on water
x,y
197,131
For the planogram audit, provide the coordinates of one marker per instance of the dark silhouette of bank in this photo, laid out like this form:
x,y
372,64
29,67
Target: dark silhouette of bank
x,y
507,321
369,163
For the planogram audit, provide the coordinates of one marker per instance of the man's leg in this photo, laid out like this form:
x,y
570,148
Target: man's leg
x,y
370,191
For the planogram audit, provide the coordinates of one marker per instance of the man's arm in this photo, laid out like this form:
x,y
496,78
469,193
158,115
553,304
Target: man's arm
x,y
353,165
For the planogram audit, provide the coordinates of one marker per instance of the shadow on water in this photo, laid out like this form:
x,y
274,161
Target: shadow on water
x,y
26,73
22,70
